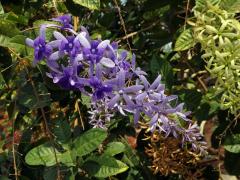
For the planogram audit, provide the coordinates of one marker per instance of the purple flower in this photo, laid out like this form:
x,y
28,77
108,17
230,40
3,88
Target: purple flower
x,y
111,78
65,20
123,93
41,49
93,51
67,78
99,88
100,115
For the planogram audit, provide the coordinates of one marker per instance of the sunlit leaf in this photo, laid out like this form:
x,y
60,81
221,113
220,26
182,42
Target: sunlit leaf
x,y
89,141
45,155
231,5
232,143
104,166
91,4
114,148
184,41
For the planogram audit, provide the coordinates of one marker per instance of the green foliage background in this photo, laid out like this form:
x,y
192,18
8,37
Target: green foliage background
x,y
165,37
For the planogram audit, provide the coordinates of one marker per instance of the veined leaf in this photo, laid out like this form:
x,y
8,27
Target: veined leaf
x,y
104,166
231,5
89,141
45,155
184,41
62,131
91,4
4,41
202,4
232,143
8,28
114,148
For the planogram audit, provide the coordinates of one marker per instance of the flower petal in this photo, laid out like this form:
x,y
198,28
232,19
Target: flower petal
x,y
156,82
29,42
114,101
103,44
59,36
107,62
54,44
83,40
54,56
134,88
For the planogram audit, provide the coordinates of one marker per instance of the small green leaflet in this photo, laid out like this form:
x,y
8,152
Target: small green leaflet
x,y
185,40
232,143
91,4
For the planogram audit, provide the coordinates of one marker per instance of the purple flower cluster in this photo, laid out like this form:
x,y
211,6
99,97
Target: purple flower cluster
x,y
110,77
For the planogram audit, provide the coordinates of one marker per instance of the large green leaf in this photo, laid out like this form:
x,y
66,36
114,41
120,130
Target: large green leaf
x,y
16,42
104,166
231,5
89,141
232,143
45,155
27,97
185,40
91,4
8,28
114,148
62,130
4,40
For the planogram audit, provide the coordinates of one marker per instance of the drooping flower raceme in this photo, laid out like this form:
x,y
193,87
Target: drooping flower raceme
x,y
110,77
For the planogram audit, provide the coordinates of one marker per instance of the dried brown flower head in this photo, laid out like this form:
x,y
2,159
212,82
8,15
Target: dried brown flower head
x,y
168,157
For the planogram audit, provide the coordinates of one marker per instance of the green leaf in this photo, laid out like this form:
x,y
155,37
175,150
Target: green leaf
x,y
185,40
1,9
2,82
104,166
202,4
231,5
191,98
114,148
62,130
86,100
91,4
8,28
45,155
16,42
154,64
89,141
4,41
232,143
27,97
14,18
162,66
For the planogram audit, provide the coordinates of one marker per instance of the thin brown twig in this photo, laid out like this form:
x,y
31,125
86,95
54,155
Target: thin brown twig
x,y
186,14
198,78
80,114
75,22
13,147
46,128
228,127
122,23
137,32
